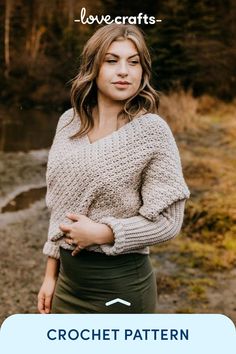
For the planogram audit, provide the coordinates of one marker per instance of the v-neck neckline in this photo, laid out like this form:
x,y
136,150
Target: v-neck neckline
x,y
114,132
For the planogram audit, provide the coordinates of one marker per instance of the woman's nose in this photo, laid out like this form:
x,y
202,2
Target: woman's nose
x,y
123,69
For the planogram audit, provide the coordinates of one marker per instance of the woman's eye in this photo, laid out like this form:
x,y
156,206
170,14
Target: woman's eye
x,y
112,61
134,62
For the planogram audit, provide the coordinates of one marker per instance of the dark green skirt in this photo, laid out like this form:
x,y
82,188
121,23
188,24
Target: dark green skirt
x,y
89,280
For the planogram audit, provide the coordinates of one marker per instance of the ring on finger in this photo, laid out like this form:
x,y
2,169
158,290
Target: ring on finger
x,y
70,241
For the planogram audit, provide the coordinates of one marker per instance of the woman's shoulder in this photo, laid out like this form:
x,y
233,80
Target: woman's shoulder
x,y
66,118
155,124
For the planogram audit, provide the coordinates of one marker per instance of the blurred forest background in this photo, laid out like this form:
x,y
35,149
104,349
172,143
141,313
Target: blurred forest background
x,y
194,47
194,55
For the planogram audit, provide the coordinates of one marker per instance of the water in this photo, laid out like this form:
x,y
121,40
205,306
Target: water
x,y
26,129
25,199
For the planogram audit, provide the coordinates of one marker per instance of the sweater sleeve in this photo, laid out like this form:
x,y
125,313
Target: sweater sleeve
x,y
163,192
138,232
52,248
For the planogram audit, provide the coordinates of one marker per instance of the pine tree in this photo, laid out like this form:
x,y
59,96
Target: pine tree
x,y
191,47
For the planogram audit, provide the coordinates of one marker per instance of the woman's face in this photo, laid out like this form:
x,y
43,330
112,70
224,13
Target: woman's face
x,y
120,73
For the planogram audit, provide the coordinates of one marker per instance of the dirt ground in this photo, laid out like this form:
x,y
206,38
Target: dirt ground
x,y
23,233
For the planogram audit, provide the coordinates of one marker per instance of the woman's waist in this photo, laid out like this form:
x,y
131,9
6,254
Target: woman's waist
x,y
97,250
89,266
95,253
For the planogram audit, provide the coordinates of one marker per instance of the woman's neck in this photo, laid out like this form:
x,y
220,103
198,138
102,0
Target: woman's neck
x,y
105,113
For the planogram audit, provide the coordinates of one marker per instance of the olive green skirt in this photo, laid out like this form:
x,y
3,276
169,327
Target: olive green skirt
x,y
89,280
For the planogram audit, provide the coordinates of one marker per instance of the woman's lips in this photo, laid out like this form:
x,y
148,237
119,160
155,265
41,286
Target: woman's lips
x,y
122,84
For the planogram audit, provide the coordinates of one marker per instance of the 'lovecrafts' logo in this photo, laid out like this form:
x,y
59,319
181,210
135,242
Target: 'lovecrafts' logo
x,y
132,20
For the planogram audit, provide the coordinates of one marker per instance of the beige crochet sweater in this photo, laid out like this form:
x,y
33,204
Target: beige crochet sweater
x,y
130,180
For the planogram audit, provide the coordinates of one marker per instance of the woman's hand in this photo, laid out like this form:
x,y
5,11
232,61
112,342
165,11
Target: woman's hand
x,y
85,232
45,295
47,289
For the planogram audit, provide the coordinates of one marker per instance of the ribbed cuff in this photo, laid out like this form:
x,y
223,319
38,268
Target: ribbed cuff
x,y
119,236
51,249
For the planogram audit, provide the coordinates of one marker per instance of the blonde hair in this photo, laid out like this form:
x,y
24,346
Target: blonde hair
x,y
84,89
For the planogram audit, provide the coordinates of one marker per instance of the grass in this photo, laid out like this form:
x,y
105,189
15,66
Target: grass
x,y
205,130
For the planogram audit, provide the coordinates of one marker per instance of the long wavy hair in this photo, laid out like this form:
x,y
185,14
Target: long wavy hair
x,y
84,89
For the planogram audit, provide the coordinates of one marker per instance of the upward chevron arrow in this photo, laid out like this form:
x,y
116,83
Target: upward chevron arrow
x,y
109,303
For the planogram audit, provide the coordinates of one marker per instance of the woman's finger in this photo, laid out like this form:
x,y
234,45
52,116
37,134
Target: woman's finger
x,y
65,228
41,308
76,250
72,216
69,241
48,304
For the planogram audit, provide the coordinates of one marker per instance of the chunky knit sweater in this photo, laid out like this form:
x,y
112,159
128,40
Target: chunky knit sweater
x,y
130,180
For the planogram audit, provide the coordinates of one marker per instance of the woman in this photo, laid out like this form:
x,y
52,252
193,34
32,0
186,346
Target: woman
x,y
115,183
